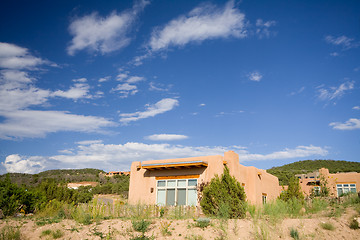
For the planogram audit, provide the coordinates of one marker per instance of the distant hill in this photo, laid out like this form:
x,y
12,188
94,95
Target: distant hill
x,y
60,175
286,171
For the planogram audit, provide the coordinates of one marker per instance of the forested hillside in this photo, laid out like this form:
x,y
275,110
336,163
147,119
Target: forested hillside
x,y
286,171
59,175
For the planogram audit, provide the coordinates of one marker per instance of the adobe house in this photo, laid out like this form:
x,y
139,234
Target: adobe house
x,y
175,181
338,183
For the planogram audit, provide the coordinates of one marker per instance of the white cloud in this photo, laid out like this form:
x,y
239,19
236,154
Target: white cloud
x,y
101,34
159,87
202,105
351,124
89,142
166,137
202,23
356,108
160,107
255,76
15,57
128,86
298,152
80,80
15,163
33,123
342,41
125,89
104,79
263,28
119,156
335,92
297,92
79,90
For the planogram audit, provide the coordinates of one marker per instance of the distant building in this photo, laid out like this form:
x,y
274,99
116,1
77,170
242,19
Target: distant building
x,y
175,181
114,173
338,183
76,185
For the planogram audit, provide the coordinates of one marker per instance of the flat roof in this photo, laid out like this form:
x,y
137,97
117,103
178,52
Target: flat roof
x,y
172,165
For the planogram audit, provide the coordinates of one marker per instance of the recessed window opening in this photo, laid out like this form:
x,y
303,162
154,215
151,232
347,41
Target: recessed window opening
x,y
176,192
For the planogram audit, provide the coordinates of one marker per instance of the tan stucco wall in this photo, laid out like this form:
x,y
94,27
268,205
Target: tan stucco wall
x,y
332,179
257,182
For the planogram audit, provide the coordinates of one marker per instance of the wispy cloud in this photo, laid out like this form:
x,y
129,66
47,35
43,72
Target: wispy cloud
x,y
255,76
166,137
116,156
342,41
33,123
263,28
287,153
297,92
160,107
18,93
78,91
356,108
103,34
331,93
351,124
128,85
16,57
203,22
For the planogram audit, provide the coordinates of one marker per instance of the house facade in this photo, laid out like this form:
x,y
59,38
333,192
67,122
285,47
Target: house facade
x,y
337,183
175,181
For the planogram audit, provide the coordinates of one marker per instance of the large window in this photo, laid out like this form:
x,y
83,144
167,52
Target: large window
x,y
345,188
176,192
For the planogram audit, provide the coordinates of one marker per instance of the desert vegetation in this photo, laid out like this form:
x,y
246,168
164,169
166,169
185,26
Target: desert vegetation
x,y
49,210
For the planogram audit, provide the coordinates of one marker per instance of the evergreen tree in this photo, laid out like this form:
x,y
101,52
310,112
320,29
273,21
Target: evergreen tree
x,y
224,197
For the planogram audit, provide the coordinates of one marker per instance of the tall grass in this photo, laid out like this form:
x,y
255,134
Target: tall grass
x,y
10,233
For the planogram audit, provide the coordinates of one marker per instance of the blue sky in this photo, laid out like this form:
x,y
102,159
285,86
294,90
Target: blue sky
x,y
103,83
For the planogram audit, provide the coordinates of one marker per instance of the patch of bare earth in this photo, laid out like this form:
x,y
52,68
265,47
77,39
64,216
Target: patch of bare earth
x,y
307,228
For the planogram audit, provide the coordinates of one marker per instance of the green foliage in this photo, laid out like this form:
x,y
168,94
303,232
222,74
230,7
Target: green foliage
x,y
327,226
224,197
284,173
316,205
294,234
140,226
354,224
164,228
293,191
202,222
10,233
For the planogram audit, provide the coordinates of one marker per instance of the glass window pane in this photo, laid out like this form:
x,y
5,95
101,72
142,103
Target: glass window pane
x,y
339,185
340,192
161,183
161,196
181,183
346,190
192,197
171,183
346,185
352,185
181,196
353,190
170,197
192,182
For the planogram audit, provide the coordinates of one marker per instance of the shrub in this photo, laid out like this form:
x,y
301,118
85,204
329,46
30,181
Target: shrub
x,y
224,197
140,226
293,191
164,228
294,234
354,224
10,233
202,222
57,234
327,226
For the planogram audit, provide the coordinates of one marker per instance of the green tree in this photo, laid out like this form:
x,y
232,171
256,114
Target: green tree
x,y
224,196
293,191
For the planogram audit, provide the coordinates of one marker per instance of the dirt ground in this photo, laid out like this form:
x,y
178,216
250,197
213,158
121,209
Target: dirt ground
x,y
307,228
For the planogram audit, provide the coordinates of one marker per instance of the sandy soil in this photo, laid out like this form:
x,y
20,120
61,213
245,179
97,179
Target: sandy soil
x,y
308,228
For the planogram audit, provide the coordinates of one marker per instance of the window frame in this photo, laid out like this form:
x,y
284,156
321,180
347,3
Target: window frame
x,y
176,187
345,188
